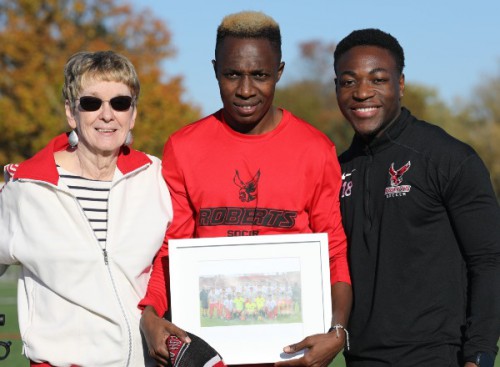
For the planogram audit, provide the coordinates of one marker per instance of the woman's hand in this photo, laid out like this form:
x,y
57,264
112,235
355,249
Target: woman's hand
x,y
156,330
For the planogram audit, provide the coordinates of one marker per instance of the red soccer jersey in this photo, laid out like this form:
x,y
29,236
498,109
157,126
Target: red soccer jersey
x,y
224,183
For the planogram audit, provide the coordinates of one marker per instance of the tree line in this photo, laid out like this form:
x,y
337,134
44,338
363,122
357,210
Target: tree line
x,y
37,38
475,121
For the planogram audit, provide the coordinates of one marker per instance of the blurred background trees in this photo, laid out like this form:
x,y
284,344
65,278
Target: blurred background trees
x,y
311,95
37,38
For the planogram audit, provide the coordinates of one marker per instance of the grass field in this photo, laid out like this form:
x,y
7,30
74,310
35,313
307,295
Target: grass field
x,y
10,331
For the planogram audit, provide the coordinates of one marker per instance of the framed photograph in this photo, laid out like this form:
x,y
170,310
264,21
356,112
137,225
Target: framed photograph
x,y
250,296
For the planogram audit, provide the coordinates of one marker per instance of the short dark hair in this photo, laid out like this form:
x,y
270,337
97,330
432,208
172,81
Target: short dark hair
x,y
371,37
250,24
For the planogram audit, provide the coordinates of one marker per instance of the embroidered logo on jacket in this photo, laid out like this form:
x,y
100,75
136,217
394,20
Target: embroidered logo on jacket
x,y
346,184
396,178
248,190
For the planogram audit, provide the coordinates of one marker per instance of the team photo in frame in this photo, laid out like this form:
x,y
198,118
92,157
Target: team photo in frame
x,y
251,293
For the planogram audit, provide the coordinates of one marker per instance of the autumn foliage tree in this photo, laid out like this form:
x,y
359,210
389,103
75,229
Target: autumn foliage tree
x,y
478,123
311,96
37,38
311,92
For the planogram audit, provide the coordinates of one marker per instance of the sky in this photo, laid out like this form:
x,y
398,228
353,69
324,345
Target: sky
x,y
452,46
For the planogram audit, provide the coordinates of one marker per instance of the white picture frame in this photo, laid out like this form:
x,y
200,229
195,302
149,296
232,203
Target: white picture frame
x,y
251,264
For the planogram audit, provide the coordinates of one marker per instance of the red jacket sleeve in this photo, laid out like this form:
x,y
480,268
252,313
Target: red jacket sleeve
x,y
325,217
182,226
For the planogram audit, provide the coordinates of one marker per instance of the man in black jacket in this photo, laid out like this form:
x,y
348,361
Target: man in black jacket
x,y
422,222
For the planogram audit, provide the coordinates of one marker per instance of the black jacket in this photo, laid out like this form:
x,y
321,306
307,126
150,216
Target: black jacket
x,y
422,222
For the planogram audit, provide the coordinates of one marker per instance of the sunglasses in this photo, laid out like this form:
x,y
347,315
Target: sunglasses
x,y
120,103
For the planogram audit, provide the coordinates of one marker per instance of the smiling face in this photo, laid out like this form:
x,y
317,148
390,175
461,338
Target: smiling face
x,y
101,132
247,70
369,89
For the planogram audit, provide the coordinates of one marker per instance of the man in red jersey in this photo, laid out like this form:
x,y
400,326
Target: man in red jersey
x,y
251,169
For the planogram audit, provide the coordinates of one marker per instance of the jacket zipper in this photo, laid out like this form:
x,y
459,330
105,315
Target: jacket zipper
x,y
104,250
113,283
106,262
105,257
367,193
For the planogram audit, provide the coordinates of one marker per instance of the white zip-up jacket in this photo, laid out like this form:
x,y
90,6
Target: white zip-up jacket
x,y
75,308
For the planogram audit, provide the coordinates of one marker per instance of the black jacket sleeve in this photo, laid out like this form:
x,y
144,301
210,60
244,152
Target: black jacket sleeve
x,y
475,215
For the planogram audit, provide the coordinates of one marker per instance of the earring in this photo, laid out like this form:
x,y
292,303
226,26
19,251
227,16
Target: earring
x,y
73,139
129,139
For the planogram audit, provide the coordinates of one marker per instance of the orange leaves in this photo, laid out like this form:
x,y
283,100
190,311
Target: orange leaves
x,y
37,38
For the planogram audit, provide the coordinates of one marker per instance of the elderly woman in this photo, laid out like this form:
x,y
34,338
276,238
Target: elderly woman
x,y
84,218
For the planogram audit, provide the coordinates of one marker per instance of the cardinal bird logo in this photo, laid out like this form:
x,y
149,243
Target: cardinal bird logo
x,y
397,175
248,190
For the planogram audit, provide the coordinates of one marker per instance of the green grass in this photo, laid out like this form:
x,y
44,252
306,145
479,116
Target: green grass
x,y
338,361
10,331
209,322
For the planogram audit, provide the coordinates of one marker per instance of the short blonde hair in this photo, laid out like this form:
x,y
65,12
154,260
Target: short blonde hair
x,y
101,66
250,24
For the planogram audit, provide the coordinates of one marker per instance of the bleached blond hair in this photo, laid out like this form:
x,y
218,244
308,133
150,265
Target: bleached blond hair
x,y
250,24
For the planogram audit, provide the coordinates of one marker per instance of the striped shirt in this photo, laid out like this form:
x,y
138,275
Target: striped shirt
x,y
93,198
